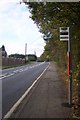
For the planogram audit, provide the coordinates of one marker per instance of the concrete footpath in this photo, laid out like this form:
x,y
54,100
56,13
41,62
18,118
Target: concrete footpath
x,y
47,99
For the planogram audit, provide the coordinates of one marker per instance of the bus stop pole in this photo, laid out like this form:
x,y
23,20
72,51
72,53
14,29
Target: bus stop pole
x,y
70,68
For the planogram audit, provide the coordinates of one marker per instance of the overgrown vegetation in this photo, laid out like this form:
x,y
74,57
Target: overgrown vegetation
x,y
49,17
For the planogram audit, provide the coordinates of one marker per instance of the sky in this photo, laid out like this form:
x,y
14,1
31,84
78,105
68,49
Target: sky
x,y
17,29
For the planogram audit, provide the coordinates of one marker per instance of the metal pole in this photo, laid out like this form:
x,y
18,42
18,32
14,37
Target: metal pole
x,y
70,68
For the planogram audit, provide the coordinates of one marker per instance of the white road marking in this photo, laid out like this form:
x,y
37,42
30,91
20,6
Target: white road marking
x,y
9,113
6,76
3,75
15,71
18,71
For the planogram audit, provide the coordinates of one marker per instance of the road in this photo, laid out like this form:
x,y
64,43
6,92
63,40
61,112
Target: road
x,y
15,81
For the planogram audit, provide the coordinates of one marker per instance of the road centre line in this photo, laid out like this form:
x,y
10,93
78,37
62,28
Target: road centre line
x,y
3,75
11,111
7,76
17,71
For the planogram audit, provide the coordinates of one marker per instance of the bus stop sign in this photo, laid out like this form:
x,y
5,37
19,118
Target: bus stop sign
x,y
64,33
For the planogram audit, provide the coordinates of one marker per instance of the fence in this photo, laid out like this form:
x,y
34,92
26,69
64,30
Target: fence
x,y
12,61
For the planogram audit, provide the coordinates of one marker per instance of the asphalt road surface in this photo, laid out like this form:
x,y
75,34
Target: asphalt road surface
x,y
15,81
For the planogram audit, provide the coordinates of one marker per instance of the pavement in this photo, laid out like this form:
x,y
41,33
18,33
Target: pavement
x,y
47,99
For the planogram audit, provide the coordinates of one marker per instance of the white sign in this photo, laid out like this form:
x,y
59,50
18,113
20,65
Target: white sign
x,y
64,33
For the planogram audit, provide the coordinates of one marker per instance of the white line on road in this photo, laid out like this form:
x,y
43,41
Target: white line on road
x,y
1,75
23,96
7,76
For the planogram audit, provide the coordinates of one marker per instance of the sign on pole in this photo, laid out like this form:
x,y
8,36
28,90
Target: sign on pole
x,y
65,36
64,33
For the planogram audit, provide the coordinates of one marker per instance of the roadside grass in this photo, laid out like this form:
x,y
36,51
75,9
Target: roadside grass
x,y
6,67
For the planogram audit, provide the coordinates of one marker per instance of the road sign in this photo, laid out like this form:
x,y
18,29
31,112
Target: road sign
x,y
64,33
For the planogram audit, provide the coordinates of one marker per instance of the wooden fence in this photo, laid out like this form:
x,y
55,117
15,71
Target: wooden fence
x,y
12,61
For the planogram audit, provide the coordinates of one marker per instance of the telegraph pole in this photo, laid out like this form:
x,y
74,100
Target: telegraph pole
x,y
25,51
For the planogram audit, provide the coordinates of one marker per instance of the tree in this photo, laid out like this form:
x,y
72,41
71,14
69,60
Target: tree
x,y
3,48
3,51
53,15
17,56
